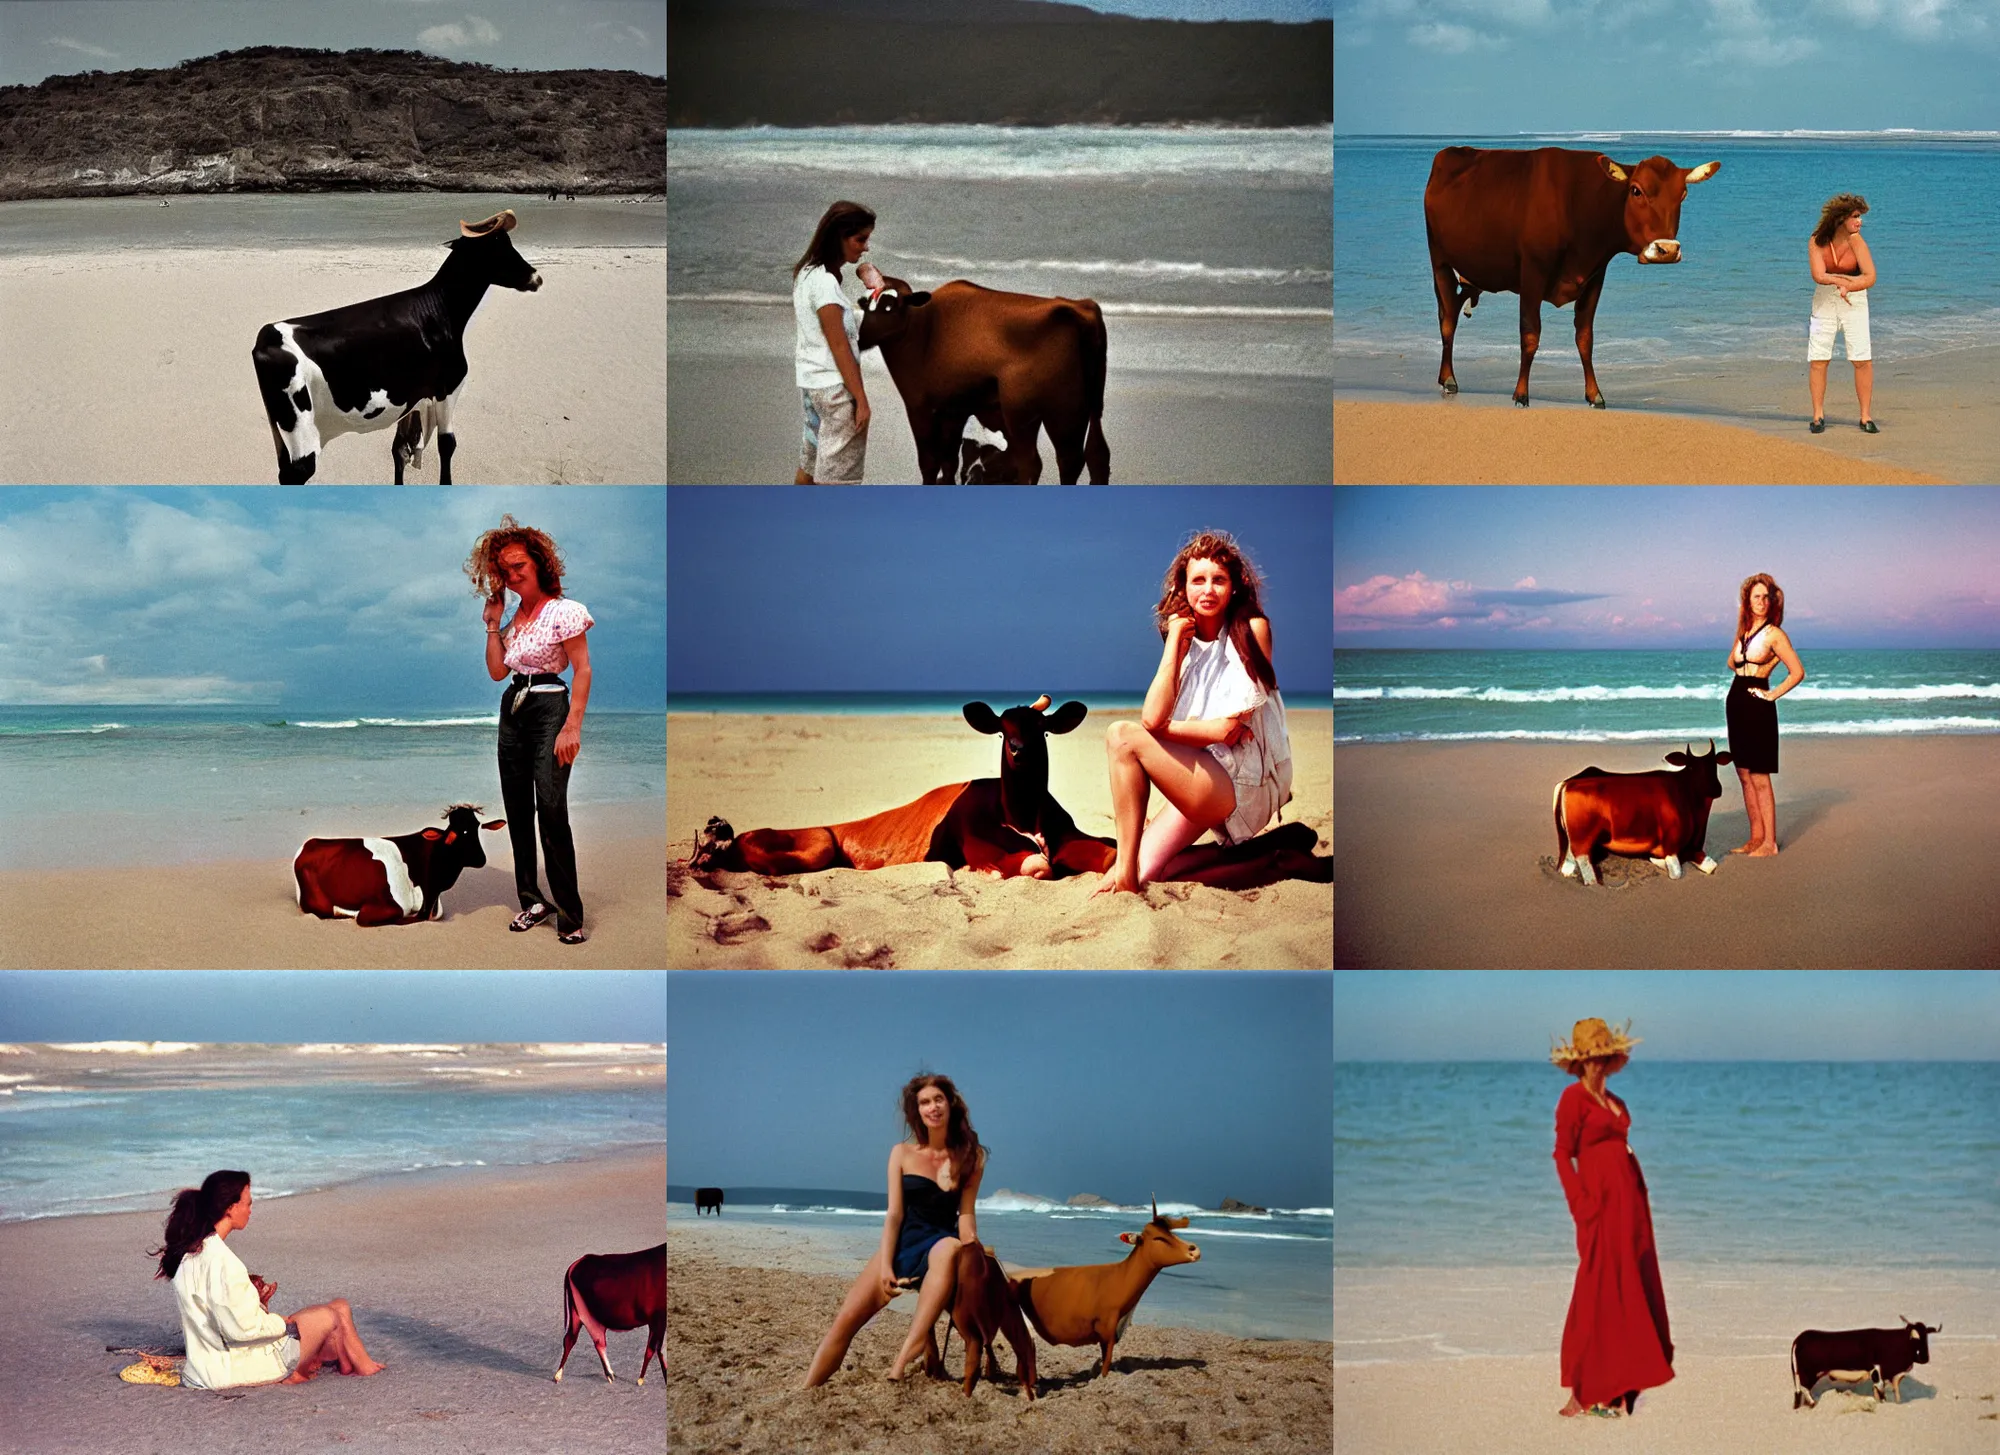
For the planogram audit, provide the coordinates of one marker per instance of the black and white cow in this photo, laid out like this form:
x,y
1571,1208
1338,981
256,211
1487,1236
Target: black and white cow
x,y
392,881
397,360
1880,1356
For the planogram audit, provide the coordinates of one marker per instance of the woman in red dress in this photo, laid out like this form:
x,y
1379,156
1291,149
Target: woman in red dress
x,y
1616,1341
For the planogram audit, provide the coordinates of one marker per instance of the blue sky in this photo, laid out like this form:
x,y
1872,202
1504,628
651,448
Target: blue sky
x,y
316,597
1483,67
41,38
356,1006
907,589
1682,1015
1507,567
1189,1087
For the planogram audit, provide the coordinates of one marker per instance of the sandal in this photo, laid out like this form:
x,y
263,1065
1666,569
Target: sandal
x,y
1818,426
572,937
528,918
1868,427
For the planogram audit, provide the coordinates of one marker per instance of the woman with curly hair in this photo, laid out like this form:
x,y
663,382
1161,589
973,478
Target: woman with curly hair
x,y
233,1338
1212,733
1843,270
1751,707
933,1185
541,716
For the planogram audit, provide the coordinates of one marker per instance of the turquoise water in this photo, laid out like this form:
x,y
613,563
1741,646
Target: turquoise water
x,y
1599,696
1888,1163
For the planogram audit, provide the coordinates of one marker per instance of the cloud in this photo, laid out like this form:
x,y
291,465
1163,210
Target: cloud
x,y
1526,583
1449,39
1417,601
1744,35
81,47
477,31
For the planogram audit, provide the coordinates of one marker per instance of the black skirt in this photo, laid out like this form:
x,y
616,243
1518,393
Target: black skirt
x,y
1753,727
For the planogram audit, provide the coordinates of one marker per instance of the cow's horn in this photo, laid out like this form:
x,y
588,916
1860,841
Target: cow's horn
x,y
501,221
1156,1207
1711,747
1039,703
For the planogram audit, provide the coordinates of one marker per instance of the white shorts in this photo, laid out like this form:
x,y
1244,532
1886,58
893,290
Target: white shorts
x,y
1830,316
832,450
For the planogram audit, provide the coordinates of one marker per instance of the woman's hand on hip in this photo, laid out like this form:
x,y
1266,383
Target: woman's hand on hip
x,y
569,742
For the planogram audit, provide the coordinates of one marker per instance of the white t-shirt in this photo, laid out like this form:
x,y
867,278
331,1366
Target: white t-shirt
x,y
1215,683
813,363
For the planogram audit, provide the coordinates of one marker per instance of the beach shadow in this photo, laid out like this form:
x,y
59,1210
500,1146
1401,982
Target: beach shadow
x,y
445,1343
1797,817
134,1334
482,889
1046,1383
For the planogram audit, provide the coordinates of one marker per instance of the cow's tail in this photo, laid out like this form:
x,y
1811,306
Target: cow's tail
x,y
1096,351
1562,828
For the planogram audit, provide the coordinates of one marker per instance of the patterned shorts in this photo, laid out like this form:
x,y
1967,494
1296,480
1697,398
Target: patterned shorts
x,y
832,450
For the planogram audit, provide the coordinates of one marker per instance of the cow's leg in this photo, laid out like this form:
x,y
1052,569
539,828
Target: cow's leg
x,y
1445,283
290,471
1531,336
447,442
656,1335
378,914
932,465
788,851
1671,863
581,1311
1586,317
1023,429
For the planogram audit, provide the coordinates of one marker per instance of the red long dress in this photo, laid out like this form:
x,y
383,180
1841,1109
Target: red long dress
x,y
1616,1338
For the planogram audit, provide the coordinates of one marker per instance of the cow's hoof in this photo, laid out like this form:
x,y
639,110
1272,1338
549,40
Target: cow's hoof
x,y
1521,401
1597,403
1449,386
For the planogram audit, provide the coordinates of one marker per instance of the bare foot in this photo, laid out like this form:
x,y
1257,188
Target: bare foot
x,y
1570,1410
1764,851
295,1377
1750,848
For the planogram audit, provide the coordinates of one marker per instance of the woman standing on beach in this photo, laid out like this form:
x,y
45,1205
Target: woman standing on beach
x,y
1615,1341
1751,706
1843,270
826,361
541,723
933,1184
233,1337
1212,733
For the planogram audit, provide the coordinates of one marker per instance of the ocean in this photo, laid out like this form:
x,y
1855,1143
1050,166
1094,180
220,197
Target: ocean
x,y
1209,248
1261,1275
922,704
1801,1163
1619,696
1742,292
118,1126
105,784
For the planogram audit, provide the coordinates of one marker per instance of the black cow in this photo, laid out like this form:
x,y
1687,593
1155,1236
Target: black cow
x,y
1881,1356
708,1199
397,360
392,881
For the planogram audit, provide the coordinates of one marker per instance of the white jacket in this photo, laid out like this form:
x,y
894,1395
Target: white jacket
x,y
231,1339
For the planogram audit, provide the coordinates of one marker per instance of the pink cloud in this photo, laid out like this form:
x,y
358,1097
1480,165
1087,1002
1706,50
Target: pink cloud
x,y
1526,583
1413,598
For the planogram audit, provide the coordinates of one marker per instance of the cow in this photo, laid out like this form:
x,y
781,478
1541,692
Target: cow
x,y
1545,224
396,360
1020,363
392,881
708,1199
1881,1356
982,1309
982,456
1093,1304
1661,815
616,1291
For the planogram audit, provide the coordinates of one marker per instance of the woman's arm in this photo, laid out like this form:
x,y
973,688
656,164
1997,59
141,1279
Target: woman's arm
x,y
832,322
1167,678
570,740
1867,261
1795,674
1201,731
1816,262
968,1217
240,1316
496,605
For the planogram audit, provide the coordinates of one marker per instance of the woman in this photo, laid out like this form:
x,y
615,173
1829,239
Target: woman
x,y
1615,1341
933,1184
1212,733
541,716
826,361
233,1338
1843,271
1751,709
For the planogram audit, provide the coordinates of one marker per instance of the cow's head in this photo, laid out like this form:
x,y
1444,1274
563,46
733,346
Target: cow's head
x,y
1654,190
484,250
886,315
1700,769
1920,1343
1024,752
1157,1244
458,840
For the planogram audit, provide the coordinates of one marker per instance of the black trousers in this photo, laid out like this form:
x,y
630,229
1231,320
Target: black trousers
x,y
535,789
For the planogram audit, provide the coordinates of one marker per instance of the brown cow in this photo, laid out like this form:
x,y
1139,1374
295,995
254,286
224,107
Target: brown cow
x,y
616,1291
1093,1305
1660,815
1020,363
983,1309
1544,224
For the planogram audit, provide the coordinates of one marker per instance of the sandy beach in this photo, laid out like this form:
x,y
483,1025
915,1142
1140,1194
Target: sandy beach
x,y
1450,1360
243,914
1886,861
741,1333
454,1279
565,384
798,771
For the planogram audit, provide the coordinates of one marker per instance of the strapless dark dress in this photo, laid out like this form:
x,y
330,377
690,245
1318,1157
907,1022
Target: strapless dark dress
x,y
1753,722
929,1213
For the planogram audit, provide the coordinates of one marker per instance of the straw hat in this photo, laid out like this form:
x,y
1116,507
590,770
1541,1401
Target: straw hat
x,y
1591,1039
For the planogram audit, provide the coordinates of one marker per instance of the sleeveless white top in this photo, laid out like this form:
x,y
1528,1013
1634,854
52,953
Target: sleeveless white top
x,y
1215,683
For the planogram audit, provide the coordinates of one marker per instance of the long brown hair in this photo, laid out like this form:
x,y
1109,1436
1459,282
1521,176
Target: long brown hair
x,y
960,1140
1836,212
193,1216
1773,616
483,565
841,222
1244,585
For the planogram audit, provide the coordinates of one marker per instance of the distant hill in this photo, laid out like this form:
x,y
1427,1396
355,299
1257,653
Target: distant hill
x,y
282,119
1006,62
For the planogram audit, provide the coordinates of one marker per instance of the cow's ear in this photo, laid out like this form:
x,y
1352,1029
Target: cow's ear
x,y
917,300
1128,1237
1611,169
1720,759
981,717
1065,718
431,836
1703,172
498,823
1677,756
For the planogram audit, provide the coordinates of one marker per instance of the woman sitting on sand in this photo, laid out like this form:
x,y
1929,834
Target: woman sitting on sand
x,y
1751,707
826,360
1843,270
933,1184
541,723
1616,1341
233,1338
1212,734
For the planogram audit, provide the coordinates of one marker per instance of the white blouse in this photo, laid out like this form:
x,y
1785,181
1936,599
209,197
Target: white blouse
x,y
536,645
231,1338
1215,683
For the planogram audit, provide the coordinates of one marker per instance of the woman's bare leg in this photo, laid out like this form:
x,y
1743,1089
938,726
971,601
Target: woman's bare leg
x,y
1161,845
1752,811
940,1278
326,1331
1189,778
864,1300
1767,809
